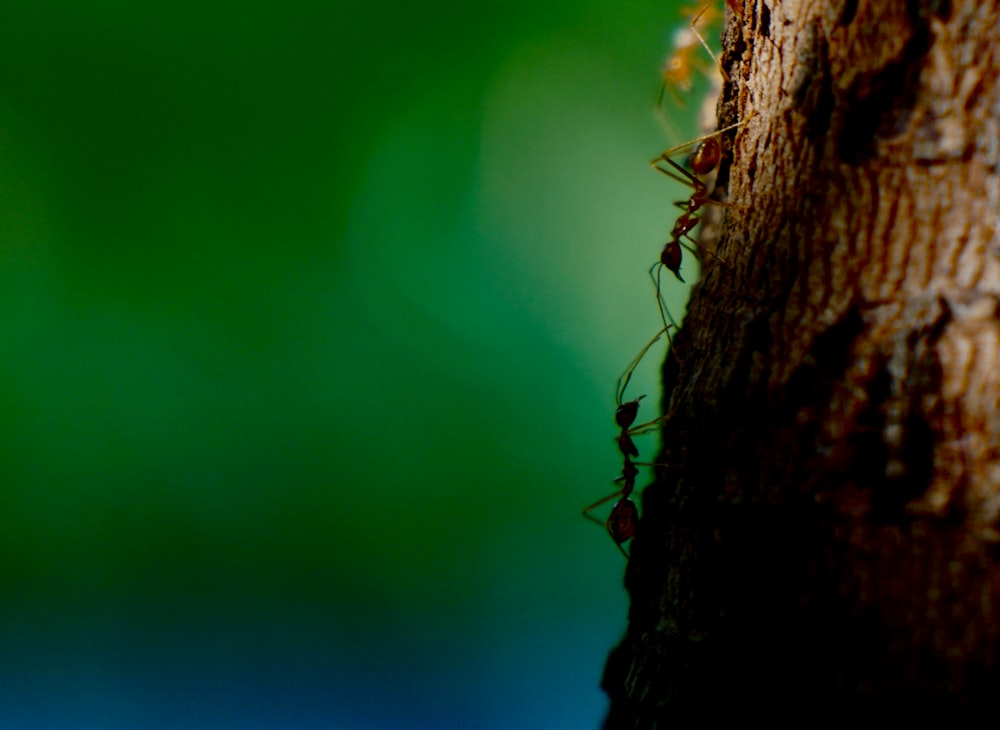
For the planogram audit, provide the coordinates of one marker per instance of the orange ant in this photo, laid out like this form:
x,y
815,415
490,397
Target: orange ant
x,y
677,70
621,523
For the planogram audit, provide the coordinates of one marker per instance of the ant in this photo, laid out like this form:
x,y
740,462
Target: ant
x,y
677,69
704,160
621,523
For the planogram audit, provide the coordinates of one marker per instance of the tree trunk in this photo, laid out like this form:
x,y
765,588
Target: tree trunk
x,y
824,529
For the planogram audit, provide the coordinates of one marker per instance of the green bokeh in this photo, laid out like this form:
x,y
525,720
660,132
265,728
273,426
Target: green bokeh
x,y
312,313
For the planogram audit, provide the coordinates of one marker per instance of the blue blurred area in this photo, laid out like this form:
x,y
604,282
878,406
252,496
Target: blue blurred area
x,y
312,316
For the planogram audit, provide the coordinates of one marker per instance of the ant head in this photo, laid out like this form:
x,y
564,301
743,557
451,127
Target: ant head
x,y
627,412
671,256
623,520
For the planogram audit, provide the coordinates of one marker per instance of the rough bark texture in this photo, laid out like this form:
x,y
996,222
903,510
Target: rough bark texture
x,y
824,535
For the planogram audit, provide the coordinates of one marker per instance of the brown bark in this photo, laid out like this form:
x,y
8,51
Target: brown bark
x,y
824,533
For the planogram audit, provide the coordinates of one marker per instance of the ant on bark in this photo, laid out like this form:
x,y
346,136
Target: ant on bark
x,y
624,517
677,70
703,161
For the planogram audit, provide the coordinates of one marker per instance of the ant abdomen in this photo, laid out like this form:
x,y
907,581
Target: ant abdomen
x,y
623,520
706,157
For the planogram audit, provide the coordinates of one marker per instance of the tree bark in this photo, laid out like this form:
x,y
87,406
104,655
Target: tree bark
x,y
823,535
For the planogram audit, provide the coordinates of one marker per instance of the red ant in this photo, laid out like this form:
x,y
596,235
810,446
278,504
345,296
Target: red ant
x,y
624,517
704,160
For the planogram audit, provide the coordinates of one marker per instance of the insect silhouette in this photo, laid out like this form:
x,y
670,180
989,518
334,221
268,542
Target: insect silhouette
x,y
624,517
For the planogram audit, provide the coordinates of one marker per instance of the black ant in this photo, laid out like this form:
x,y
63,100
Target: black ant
x,y
624,517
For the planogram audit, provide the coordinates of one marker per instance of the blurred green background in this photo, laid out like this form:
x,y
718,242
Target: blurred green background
x,y
311,320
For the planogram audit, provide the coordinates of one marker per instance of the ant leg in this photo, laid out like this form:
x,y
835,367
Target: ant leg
x,y
706,10
625,377
644,428
665,88
598,503
701,39
688,178
664,309
697,249
664,119
696,140
686,204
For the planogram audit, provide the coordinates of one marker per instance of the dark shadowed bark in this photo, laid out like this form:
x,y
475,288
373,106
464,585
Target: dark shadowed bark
x,y
823,537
